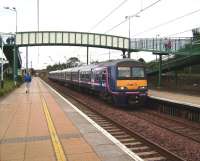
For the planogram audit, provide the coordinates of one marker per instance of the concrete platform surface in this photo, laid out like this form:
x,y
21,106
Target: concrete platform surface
x,y
42,126
175,97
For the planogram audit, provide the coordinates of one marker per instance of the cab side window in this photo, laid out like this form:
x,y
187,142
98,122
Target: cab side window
x,y
104,76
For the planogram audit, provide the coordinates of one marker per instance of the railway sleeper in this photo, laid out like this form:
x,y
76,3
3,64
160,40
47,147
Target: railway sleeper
x,y
178,128
146,153
155,159
113,130
123,137
139,148
132,144
106,125
117,133
127,140
100,119
102,122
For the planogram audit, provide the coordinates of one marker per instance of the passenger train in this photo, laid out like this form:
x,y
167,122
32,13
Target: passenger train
x,y
122,81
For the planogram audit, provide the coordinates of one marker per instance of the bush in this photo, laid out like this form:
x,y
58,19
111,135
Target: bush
x,y
9,86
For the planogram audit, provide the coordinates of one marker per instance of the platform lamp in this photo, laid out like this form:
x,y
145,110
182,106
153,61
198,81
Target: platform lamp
x,y
14,10
129,32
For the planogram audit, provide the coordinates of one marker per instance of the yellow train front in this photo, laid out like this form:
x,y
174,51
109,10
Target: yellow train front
x,y
128,82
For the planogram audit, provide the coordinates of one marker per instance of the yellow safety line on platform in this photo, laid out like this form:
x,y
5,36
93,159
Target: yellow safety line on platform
x,y
54,137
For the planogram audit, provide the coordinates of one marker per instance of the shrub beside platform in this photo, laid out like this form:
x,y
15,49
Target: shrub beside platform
x,y
9,86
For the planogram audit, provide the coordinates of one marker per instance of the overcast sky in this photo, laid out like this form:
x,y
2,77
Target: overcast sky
x,y
82,15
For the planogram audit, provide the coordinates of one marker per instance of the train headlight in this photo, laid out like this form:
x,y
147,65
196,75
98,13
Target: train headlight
x,y
143,87
122,88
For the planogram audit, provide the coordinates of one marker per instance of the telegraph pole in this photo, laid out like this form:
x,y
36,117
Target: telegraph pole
x,y
38,24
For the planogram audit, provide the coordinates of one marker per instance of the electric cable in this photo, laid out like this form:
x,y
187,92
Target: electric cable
x,y
140,11
167,22
104,18
109,14
177,33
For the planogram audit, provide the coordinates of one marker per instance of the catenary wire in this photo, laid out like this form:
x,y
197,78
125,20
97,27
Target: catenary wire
x,y
140,11
167,22
104,18
177,33
109,14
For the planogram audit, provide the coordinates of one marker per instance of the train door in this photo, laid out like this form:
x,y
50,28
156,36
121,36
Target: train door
x,y
103,78
92,79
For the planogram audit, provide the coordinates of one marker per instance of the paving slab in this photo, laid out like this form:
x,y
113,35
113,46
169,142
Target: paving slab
x,y
25,133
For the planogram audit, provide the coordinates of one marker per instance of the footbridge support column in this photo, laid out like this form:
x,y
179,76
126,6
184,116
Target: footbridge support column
x,y
27,60
15,70
129,54
87,55
160,66
160,70
123,54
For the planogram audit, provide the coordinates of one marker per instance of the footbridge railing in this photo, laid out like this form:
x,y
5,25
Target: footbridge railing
x,y
171,45
65,38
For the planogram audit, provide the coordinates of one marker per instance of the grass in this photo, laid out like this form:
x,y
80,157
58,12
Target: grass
x,y
8,87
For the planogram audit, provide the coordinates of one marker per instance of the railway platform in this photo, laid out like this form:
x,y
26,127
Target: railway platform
x,y
179,98
43,126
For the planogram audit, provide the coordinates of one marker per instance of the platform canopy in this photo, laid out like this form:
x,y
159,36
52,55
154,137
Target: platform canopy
x,y
49,38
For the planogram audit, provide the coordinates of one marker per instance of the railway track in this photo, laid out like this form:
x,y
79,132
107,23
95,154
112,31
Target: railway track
x,y
179,127
144,148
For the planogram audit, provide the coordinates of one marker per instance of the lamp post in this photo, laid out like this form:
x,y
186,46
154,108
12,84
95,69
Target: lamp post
x,y
15,50
14,10
157,41
51,59
129,32
157,44
65,60
38,28
129,35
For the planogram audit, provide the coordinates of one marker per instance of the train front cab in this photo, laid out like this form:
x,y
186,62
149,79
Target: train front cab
x,y
130,83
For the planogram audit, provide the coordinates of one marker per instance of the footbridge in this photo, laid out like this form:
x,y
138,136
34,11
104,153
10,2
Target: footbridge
x,y
64,38
49,38
126,45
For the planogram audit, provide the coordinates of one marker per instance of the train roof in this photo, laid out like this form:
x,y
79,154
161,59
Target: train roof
x,y
98,65
55,71
116,61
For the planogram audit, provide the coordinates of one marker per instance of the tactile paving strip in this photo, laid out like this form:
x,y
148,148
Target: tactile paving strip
x,y
37,138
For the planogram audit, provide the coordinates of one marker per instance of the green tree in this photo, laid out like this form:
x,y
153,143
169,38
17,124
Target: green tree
x,y
72,62
196,33
141,60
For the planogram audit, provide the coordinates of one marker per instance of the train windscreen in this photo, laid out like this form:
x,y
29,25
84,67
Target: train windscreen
x,y
130,72
137,72
124,72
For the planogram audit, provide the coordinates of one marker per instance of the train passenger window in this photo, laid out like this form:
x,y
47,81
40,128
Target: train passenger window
x,y
137,72
103,77
124,72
